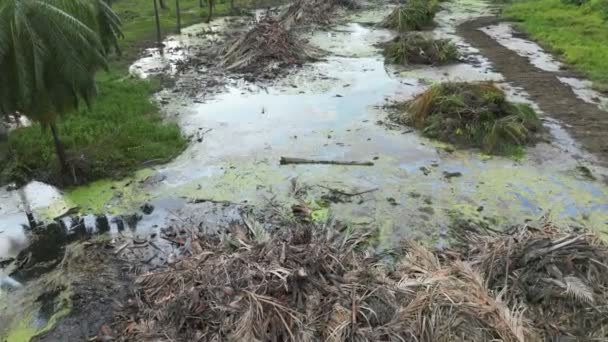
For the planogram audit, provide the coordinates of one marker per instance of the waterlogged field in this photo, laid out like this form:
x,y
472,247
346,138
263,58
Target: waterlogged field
x,y
333,109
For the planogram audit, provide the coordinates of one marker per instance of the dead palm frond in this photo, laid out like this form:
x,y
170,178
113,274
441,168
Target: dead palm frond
x,y
522,285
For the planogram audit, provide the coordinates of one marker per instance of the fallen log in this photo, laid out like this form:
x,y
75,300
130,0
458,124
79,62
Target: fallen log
x,y
287,160
349,194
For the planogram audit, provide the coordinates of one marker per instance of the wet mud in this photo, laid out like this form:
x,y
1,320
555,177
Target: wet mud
x,y
332,109
99,284
79,284
583,120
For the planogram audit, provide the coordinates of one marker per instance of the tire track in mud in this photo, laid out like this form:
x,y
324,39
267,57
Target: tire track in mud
x,y
584,121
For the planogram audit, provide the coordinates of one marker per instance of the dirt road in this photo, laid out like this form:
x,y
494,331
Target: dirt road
x,y
584,121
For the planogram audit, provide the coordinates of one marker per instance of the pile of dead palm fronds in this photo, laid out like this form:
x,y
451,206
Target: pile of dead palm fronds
x,y
415,48
475,115
414,15
273,41
561,278
314,11
310,285
268,42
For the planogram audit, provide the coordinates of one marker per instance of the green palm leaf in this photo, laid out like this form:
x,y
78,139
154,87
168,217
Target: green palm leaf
x,y
50,51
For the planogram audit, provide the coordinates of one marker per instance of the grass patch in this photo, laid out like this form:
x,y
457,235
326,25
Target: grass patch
x,y
121,131
578,33
413,15
417,49
471,115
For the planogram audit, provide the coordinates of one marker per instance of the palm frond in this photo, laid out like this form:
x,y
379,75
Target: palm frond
x,y
577,289
50,51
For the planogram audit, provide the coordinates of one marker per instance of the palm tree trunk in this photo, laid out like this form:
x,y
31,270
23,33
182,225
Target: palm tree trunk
x,y
231,6
179,17
157,24
200,3
210,2
162,4
60,149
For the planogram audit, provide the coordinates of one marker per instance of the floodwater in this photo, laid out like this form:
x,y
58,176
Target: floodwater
x,y
333,109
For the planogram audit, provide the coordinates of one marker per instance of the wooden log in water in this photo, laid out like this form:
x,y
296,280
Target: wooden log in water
x,y
287,160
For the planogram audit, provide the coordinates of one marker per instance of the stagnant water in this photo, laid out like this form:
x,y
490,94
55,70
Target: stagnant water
x,y
333,109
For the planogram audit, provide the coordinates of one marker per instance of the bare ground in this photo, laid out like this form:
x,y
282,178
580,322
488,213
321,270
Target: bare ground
x,y
584,121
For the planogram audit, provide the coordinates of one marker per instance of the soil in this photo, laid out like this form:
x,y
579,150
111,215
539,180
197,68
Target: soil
x,y
97,294
584,121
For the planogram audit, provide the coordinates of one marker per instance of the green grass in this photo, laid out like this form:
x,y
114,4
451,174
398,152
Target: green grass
x,y
578,33
123,129
139,24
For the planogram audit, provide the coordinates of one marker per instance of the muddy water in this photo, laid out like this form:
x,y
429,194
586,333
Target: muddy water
x,y
333,110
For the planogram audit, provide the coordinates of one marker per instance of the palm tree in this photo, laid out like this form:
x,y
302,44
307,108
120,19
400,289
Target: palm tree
x,y
211,4
179,17
157,20
50,51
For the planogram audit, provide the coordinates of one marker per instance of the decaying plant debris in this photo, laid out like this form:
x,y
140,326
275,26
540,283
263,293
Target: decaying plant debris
x,y
309,284
314,11
273,40
269,41
471,115
562,279
417,49
411,16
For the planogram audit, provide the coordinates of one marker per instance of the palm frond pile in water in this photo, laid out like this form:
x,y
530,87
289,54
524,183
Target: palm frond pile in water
x,y
273,42
266,43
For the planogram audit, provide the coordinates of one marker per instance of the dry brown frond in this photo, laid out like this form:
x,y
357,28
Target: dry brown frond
x,y
522,285
560,276
267,42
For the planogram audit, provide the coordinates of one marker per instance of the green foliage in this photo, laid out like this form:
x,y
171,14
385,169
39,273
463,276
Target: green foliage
x,y
413,15
418,49
472,115
574,2
49,53
601,6
578,33
120,132
122,129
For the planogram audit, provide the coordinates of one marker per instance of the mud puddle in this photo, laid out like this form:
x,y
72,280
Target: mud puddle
x,y
332,110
